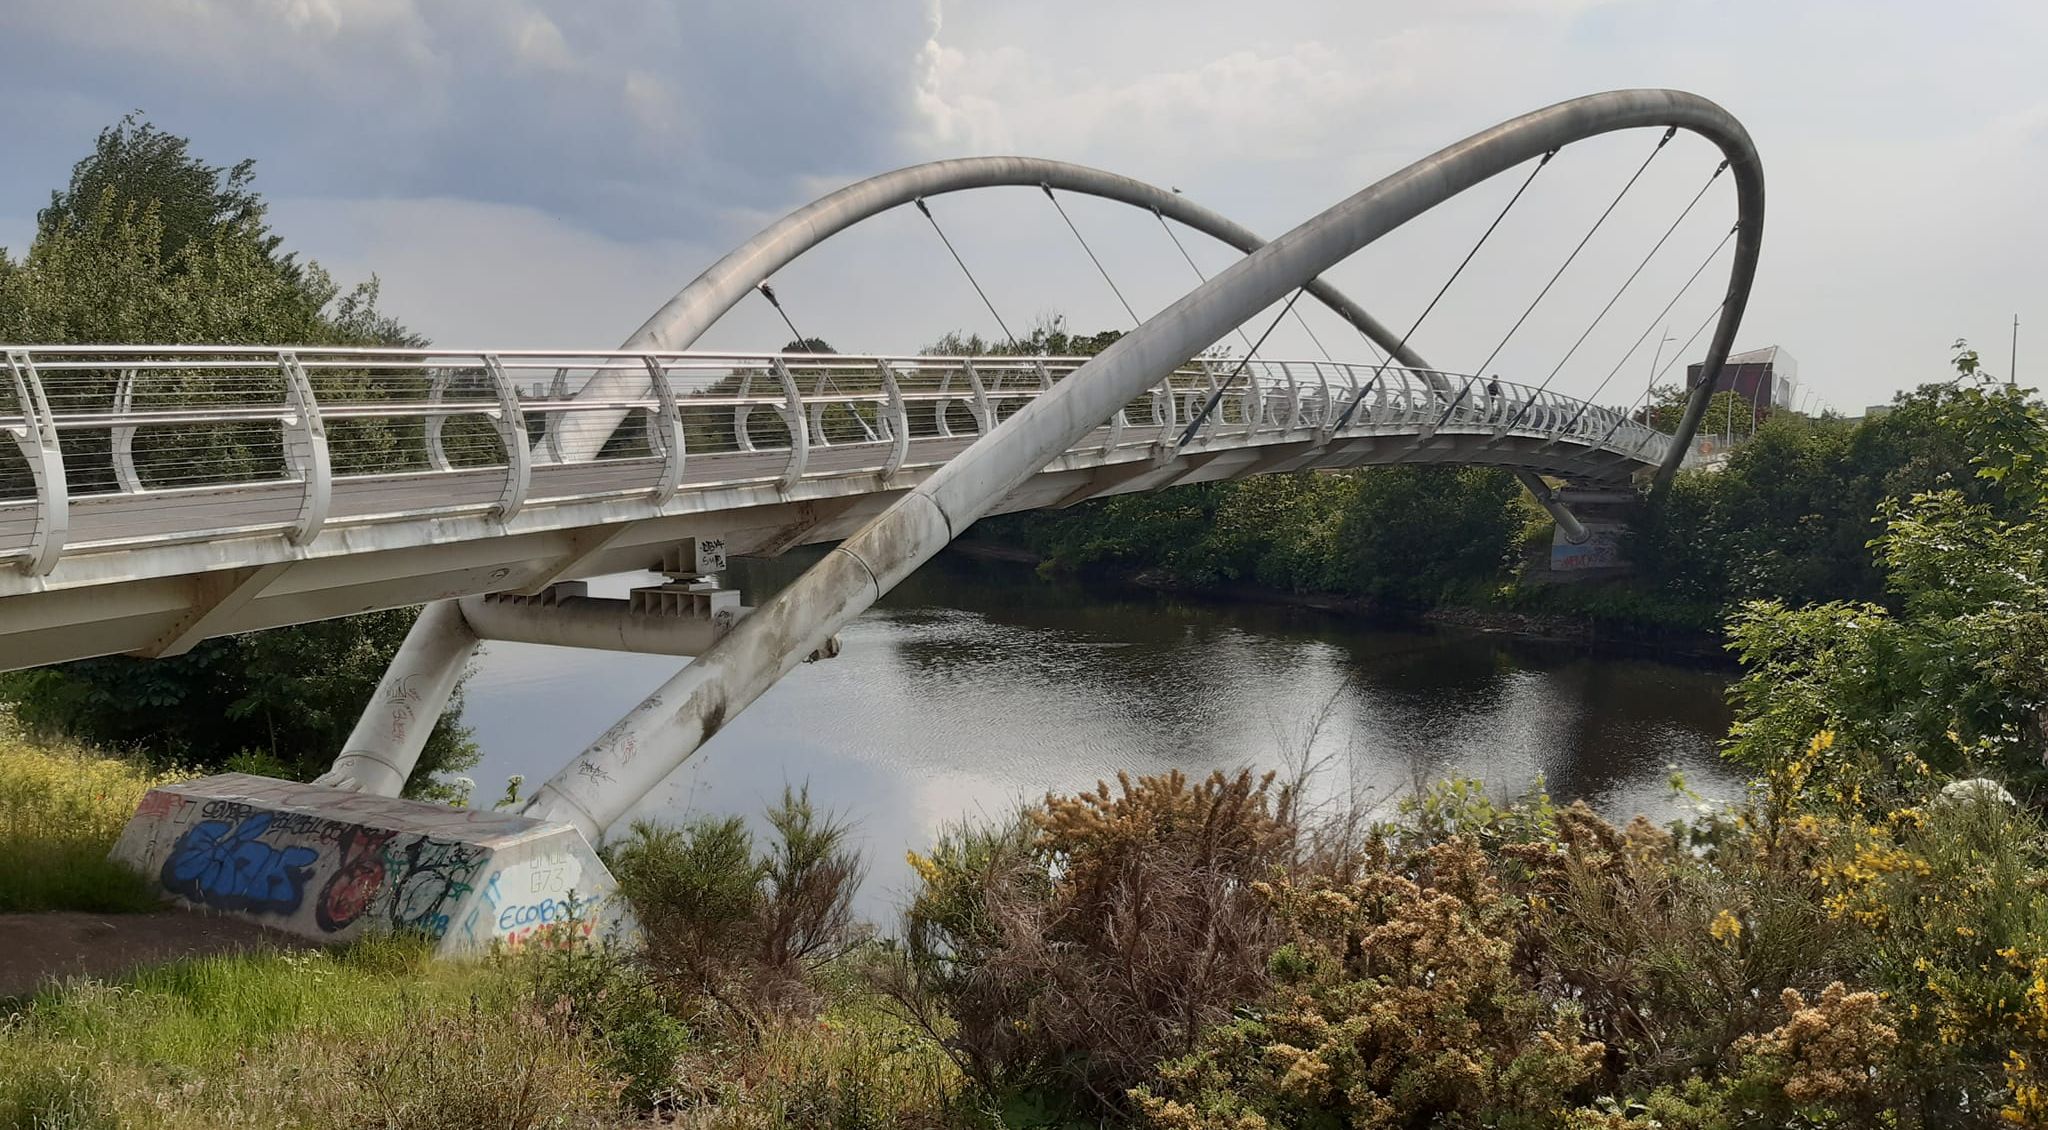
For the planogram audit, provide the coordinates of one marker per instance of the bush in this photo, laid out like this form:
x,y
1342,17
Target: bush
x,y
1397,1002
1072,950
608,997
741,929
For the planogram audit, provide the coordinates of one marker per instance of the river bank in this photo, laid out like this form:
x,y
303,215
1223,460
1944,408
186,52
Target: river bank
x,y
1601,634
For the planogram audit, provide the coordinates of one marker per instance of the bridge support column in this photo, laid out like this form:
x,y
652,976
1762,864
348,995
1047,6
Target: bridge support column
x,y
1575,531
388,738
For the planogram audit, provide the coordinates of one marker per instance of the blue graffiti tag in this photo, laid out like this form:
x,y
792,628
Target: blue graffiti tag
x,y
230,868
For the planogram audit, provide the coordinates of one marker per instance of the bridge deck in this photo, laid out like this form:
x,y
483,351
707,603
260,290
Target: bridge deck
x,y
206,495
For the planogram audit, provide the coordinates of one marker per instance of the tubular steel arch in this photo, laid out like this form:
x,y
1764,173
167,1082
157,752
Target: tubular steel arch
x,y
599,785
684,318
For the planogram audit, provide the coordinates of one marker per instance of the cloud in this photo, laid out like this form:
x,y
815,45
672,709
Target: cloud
x,y
632,117
548,170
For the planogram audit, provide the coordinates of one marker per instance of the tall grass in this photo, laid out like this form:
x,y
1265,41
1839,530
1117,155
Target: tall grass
x,y
61,809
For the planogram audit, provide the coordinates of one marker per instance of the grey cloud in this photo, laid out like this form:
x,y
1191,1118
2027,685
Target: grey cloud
x,y
637,117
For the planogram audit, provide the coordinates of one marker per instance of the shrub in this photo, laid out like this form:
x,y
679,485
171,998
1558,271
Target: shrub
x,y
1074,949
610,999
1397,1003
740,928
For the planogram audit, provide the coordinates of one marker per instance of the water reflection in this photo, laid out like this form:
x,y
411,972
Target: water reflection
x,y
976,684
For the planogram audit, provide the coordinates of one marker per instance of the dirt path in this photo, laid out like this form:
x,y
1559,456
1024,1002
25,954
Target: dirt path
x,y
36,947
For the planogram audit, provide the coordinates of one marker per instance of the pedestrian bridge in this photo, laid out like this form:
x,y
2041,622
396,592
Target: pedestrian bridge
x,y
157,496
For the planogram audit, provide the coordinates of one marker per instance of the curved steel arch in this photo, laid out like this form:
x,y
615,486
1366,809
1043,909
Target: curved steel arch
x,y
601,784
684,318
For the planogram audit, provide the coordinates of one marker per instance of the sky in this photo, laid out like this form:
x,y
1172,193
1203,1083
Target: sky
x,y
545,173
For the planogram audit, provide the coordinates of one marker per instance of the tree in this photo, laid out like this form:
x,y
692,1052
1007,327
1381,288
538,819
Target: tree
x,y
148,243
1950,675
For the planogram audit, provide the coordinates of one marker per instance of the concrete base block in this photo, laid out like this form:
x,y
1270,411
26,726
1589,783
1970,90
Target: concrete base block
x,y
336,865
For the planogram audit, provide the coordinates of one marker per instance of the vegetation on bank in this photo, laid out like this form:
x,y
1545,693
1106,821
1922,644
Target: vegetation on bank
x,y
61,808
1788,518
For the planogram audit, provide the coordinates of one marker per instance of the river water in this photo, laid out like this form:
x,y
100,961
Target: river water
x,y
977,684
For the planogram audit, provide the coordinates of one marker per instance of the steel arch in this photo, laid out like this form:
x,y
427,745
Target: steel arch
x,y
684,318
601,784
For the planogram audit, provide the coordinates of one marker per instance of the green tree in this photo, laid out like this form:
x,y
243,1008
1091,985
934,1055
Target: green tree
x,y
1413,531
148,243
1950,674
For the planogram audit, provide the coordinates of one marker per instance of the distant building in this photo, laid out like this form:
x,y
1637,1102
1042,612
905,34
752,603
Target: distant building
x,y
1767,378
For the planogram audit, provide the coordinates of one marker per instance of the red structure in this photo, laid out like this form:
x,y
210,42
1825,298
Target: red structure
x,y
1768,378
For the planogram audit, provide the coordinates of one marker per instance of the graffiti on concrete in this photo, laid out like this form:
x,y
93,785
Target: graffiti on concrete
x,y
332,865
227,866
431,877
355,882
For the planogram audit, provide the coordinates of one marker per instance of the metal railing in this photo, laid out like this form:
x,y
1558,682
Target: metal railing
x,y
127,446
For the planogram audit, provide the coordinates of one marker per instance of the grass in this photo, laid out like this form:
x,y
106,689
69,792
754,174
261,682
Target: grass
x,y
373,1035
61,809
377,1034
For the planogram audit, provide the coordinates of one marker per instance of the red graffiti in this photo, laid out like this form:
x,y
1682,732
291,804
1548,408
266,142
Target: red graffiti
x,y
355,883
157,802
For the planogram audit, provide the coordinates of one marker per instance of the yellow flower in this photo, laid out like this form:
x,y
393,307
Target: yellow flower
x,y
1726,928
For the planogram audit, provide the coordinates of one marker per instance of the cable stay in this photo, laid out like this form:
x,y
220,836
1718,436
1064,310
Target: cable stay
x,y
804,344
1625,283
1694,277
1103,271
922,207
1216,397
1626,413
1556,275
1345,418
1182,248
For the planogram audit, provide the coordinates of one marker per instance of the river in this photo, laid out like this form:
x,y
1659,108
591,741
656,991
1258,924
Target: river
x,y
977,684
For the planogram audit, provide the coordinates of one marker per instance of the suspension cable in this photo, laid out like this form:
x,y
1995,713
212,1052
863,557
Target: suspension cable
x,y
1403,343
1202,417
921,206
1100,269
1587,403
1588,238
1718,170
1645,394
804,345
1694,277
1182,248
801,341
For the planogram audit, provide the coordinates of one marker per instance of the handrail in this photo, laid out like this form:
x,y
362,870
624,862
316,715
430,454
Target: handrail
x,y
223,418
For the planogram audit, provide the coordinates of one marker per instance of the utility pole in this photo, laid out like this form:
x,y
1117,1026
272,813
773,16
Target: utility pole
x,y
2012,368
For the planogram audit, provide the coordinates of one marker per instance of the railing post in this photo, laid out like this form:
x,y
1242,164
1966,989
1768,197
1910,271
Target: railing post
x,y
1326,422
511,424
816,415
899,421
799,434
122,440
939,406
740,413
1293,397
665,432
558,389
37,438
305,450
1044,374
437,455
984,409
